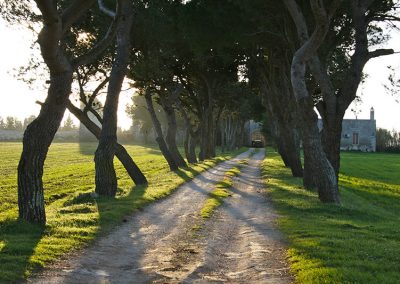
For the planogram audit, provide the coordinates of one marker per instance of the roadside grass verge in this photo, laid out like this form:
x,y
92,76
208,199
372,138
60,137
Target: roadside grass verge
x,y
74,218
221,191
357,242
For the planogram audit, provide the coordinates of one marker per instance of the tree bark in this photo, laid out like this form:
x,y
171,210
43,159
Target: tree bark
x,y
160,138
170,138
120,152
106,179
186,143
291,146
36,142
281,108
204,151
193,141
207,146
190,141
324,174
40,133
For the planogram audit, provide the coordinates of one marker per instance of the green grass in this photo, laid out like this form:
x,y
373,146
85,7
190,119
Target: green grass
x,y
74,218
221,191
357,242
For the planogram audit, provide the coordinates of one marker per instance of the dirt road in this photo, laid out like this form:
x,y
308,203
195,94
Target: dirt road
x,y
168,242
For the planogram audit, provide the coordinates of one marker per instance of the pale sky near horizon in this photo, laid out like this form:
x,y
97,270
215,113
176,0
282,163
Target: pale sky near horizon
x,y
19,101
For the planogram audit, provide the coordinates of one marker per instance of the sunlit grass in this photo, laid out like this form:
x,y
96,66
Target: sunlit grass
x,y
74,217
357,242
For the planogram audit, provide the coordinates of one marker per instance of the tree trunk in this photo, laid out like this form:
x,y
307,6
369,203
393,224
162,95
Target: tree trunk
x,y
281,108
331,136
120,152
193,140
324,174
160,138
186,143
205,136
170,138
308,173
106,179
190,142
222,130
207,126
291,146
36,142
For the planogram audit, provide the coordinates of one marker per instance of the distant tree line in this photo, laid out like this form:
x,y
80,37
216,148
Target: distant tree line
x,y
13,123
387,141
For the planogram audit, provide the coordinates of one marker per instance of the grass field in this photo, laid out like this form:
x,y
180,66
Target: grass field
x,y
357,242
74,219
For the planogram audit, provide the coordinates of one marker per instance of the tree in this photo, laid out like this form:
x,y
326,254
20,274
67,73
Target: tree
x,y
140,116
271,74
106,179
10,123
68,124
2,123
324,174
59,22
387,141
338,75
133,170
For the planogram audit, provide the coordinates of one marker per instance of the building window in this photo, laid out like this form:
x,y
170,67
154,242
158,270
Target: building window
x,y
355,138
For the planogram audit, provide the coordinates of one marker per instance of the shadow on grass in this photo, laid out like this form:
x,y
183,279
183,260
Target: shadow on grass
x,y
18,240
87,148
356,242
113,210
184,175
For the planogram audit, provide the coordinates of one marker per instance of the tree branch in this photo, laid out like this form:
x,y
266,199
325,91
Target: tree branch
x,y
74,12
101,46
105,10
380,52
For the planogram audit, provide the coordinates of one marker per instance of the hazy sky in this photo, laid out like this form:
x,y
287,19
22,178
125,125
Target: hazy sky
x,y
18,100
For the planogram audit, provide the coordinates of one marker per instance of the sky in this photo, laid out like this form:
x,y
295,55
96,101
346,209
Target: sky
x,y
18,100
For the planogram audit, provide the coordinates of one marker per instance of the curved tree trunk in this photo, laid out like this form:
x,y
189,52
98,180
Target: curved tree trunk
x,y
186,143
331,136
308,173
324,174
192,158
189,143
120,152
204,152
170,138
36,142
291,145
40,133
281,108
106,179
160,138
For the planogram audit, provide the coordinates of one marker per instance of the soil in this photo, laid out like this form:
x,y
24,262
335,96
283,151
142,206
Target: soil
x,y
168,241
